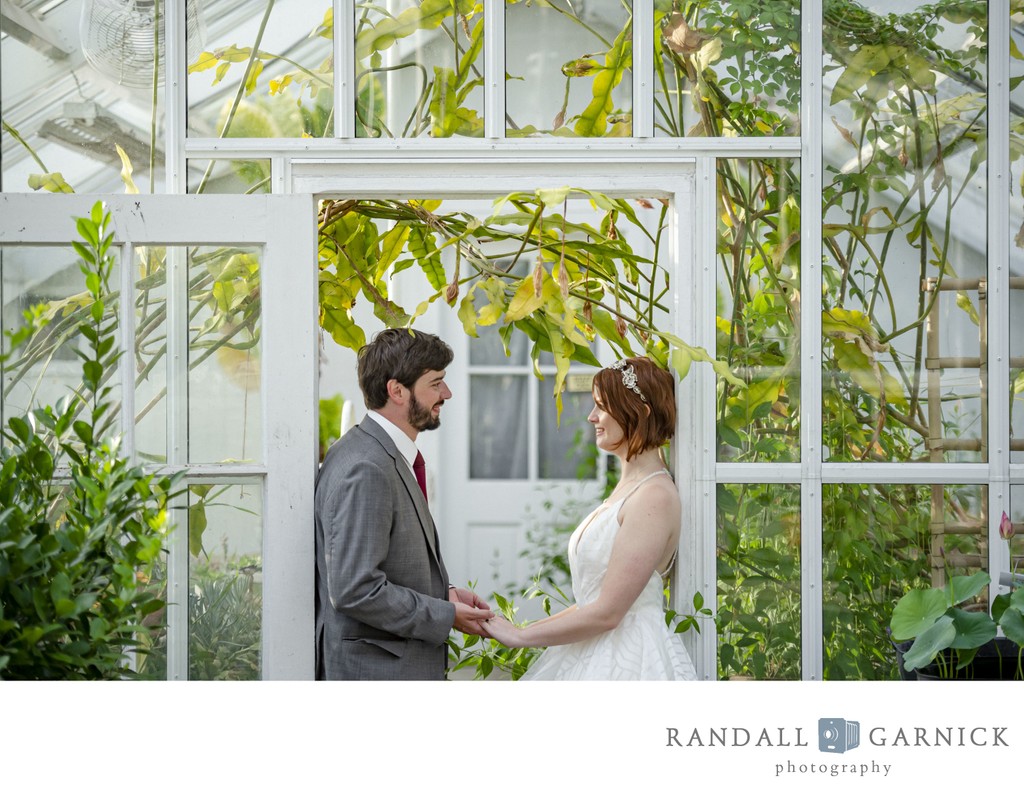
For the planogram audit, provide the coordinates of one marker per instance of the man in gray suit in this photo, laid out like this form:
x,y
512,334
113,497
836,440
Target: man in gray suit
x,y
384,606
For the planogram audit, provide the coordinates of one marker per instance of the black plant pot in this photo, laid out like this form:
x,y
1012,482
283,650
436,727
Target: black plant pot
x,y
997,660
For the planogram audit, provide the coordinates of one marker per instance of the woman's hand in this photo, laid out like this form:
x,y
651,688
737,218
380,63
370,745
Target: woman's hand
x,y
501,630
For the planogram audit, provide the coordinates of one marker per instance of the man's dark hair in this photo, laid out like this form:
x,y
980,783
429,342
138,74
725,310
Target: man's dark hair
x,y
402,354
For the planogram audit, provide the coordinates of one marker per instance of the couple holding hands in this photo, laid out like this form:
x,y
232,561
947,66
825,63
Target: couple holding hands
x,y
384,604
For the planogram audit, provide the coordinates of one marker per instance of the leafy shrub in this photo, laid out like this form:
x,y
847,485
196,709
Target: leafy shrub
x,y
81,528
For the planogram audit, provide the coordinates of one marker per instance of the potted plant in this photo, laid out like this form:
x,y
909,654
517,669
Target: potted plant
x,y
939,633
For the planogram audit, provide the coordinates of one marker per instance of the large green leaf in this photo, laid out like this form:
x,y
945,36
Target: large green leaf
x,y
930,643
965,587
1012,623
973,629
916,611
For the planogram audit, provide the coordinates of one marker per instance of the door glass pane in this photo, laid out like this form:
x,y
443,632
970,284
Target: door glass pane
x,y
286,90
759,581
569,68
878,541
79,81
905,221
224,355
220,375
727,69
150,353
498,431
566,451
45,368
758,322
225,591
419,69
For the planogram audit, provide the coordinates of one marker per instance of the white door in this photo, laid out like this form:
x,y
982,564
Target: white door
x,y
217,378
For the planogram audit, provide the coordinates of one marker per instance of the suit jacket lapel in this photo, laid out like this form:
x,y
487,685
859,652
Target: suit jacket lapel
x,y
412,487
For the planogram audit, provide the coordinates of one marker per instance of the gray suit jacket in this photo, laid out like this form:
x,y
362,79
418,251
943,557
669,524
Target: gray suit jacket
x,y
382,610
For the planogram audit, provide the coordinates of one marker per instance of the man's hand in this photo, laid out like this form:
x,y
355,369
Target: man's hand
x,y
471,620
467,597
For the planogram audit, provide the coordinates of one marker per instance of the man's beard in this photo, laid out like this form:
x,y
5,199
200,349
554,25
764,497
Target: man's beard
x,y
421,418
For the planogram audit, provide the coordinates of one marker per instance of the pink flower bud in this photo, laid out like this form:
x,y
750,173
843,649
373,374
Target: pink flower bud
x,y
1006,528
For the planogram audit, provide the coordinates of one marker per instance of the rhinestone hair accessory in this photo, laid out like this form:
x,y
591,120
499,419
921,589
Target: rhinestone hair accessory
x,y
628,377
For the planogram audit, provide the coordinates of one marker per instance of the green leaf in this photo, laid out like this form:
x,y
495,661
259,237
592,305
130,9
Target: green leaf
x,y
973,629
593,121
467,315
930,643
196,527
552,197
1012,623
965,587
916,611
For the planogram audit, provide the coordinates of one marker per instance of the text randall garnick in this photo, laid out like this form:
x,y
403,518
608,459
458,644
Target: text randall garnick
x,y
793,736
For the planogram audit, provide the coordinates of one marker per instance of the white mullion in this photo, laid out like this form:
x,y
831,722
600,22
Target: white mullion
x,y
494,69
643,69
999,287
344,69
697,325
325,150
810,340
280,175
177,455
175,96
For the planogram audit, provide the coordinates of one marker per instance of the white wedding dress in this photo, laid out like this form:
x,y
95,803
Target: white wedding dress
x,y
642,647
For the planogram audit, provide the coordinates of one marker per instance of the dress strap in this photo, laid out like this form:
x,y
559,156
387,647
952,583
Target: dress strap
x,y
647,478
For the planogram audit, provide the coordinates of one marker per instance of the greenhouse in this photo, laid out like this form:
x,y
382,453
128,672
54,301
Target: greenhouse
x,y
811,213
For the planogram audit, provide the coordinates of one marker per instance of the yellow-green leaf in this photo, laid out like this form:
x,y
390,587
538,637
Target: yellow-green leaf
x,y
196,527
126,171
963,302
467,315
593,120
343,329
54,183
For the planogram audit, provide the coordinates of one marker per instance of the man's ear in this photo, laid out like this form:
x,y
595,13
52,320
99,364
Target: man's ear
x,y
396,391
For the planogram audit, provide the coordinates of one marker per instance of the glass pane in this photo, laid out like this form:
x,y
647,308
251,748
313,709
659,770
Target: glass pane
x,y
45,368
225,601
150,354
224,355
904,251
758,330
1017,238
498,432
1016,539
759,581
419,69
568,451
223,386
569,68
78,81
287,90
229,176
727,68
151,660
878,541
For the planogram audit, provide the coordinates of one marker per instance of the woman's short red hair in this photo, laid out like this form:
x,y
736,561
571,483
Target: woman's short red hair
x,y
645,425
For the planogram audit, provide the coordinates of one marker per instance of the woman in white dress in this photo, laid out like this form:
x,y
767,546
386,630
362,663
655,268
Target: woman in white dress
x,y
621,553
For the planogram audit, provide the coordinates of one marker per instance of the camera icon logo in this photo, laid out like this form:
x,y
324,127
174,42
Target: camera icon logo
x,y
836,735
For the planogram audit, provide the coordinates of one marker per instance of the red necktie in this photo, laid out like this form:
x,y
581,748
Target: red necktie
x,y
420,469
